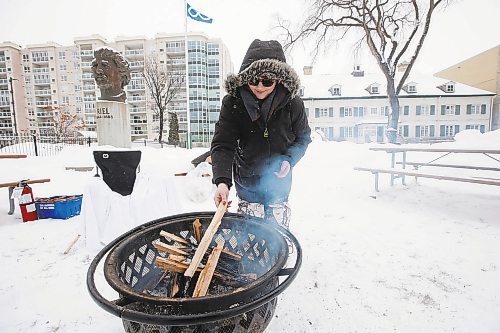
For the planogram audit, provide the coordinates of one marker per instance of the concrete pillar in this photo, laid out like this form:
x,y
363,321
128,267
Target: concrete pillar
x,y
113,124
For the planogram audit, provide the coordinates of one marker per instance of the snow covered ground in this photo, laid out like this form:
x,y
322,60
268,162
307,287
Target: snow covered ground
x,y
418,258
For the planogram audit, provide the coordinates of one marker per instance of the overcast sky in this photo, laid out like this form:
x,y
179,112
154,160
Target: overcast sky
x,y
464,29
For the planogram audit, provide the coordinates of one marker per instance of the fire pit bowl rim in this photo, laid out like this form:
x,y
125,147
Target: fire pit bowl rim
x,y
118,309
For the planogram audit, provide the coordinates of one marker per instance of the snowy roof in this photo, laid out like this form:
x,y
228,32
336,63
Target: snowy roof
x,y
318,86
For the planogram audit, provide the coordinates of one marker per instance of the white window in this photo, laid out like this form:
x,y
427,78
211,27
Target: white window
x,y
348,132
64,78
374,89
62,55
449,130
424,131
78,99
65,100
374,111
475,109
450,109
26,57
62,67
348,112
473,126
450,87
27,69
425,110
412,88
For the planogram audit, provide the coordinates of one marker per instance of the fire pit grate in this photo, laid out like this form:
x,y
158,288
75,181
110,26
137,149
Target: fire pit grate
x,y
145,304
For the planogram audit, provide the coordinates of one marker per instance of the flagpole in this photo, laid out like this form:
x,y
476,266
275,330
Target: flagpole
x,y
188,131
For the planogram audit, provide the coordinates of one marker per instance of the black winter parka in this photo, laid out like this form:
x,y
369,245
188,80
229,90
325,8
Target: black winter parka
x,y
252,151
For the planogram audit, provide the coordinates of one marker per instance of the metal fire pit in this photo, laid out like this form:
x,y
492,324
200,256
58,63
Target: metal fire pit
x,y
129,269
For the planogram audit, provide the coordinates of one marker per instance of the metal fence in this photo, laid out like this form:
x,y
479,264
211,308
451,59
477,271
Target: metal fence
x,y
33,145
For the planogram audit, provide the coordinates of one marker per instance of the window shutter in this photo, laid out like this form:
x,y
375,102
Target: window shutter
x,y
431,130
457,109
330,133
481,128
307,112
483,108
443,109
386,110
433,110
418,111
442,130
405,130
417,131
342,132
355,131
316,112
330,112
356,111
361,111
406,109
341,111
457,129
469,109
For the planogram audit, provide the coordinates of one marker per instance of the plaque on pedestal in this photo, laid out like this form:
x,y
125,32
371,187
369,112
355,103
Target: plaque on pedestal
x,y
113,124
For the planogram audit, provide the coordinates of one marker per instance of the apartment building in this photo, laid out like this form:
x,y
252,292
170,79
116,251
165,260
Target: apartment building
x,y
12,85
59,77
481,71
354,107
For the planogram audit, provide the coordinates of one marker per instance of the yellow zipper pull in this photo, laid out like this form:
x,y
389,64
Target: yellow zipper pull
x,y
266,133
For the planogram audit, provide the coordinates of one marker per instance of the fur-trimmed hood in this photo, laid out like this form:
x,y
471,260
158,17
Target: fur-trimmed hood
x,y
268,68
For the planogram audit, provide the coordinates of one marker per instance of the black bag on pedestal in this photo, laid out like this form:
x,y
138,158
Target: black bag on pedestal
x,y
118,169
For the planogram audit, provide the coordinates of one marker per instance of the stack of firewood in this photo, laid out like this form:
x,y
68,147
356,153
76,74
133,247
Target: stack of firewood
x,y
208,263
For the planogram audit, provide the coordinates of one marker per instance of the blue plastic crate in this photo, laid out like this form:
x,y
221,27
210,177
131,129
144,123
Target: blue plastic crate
x,y
59,207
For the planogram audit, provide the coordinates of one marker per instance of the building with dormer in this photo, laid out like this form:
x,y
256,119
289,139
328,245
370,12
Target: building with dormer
x,y
354,107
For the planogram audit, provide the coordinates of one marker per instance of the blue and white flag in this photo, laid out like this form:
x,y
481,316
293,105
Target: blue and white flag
x,y
196,15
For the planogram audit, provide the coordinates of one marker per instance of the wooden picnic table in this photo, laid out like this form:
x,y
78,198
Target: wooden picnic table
x,y
401,172
444,152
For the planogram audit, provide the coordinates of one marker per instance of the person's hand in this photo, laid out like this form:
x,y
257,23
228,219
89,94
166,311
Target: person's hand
x,y
221,194
285,169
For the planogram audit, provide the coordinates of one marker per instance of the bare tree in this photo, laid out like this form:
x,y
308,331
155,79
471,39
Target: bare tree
x,y
164,83
65,124
392,30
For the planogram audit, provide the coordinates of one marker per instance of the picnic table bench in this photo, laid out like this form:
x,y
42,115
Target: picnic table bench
x,y
12,185
402,172
13,156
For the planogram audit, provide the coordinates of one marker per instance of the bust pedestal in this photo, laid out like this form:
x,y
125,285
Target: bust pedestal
x,y
113,124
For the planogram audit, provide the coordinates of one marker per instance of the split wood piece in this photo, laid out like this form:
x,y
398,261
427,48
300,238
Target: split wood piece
x,y
207,273
177,258
174,286
177,267
160,246
197,231
71,244
207,239
173,237
231,255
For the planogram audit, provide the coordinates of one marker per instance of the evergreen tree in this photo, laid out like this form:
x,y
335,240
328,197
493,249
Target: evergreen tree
x,y
173,132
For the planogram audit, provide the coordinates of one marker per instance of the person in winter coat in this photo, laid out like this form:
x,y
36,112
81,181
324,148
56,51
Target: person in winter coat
x,y
261,134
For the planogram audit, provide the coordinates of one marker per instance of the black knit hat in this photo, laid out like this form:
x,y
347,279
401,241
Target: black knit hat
x,y
262,49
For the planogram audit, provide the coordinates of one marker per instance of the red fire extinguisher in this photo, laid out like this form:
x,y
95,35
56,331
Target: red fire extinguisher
x,y
27,203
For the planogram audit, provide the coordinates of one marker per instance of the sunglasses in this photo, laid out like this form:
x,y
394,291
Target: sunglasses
x,y
265,82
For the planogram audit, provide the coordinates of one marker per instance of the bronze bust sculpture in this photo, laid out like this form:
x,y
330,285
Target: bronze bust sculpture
x,y
111,73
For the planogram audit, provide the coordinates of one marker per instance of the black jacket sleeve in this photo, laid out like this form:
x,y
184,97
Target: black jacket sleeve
x,y
301,129
224,142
